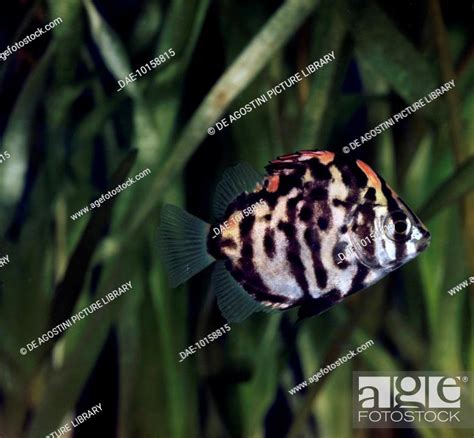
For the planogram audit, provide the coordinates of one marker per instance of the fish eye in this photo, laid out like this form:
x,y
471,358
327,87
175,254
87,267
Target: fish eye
x,y
397,226
400,227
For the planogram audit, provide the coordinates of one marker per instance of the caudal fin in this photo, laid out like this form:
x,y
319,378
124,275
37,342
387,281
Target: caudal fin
x,y
182,241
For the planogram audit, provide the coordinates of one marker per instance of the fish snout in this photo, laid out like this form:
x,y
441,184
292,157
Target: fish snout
x,y
424,241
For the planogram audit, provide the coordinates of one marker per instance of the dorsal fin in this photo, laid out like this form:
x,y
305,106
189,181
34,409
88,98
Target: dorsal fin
x,y
371,174
235,180
287,163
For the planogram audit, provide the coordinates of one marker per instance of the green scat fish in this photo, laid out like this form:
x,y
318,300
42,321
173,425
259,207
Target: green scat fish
x,y
319,228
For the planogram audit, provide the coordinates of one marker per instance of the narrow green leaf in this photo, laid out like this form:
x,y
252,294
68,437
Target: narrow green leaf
x,y
57,401
330,31
69,38
69,288
249,63
451,190
111,48
146,26
380,44
18,131
260,391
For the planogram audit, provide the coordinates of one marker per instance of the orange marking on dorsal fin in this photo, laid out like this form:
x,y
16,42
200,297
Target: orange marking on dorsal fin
x,y
325,157
371,175
273,182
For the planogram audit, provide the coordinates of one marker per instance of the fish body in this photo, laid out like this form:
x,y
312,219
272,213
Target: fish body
x,y
319,228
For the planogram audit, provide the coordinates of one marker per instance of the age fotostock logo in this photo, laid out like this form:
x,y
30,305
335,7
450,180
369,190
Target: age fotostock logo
x,y
401,399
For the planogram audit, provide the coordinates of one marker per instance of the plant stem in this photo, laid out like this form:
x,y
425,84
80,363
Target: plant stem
x,y
250,62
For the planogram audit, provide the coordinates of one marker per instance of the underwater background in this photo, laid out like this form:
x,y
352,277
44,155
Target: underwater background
x,y
72,136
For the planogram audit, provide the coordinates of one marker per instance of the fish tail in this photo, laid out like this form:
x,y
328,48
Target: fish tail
x,y
182,243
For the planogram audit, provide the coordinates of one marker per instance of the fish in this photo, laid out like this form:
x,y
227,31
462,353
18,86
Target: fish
x,y
316,229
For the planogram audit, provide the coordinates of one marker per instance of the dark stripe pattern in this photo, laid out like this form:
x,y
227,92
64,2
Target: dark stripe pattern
x,y
293,247
311,237
269,243
311,208
245,273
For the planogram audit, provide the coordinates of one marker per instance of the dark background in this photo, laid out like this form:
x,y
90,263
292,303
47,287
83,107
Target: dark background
x,y
72,137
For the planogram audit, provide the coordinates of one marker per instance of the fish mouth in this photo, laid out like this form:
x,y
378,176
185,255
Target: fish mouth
x,y
424,242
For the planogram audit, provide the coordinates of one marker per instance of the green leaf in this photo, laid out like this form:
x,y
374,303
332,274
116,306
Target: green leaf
x,y
181,29
453,189
382,46
69,39
260,391
70,286
330,31
110,47
130,356
65,384
18,131
72,370
249,63
146,26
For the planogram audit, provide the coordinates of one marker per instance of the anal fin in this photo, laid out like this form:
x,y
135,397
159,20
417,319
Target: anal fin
x,y
233,301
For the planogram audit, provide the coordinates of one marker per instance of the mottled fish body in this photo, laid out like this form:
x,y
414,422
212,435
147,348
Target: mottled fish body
x,y
319,228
